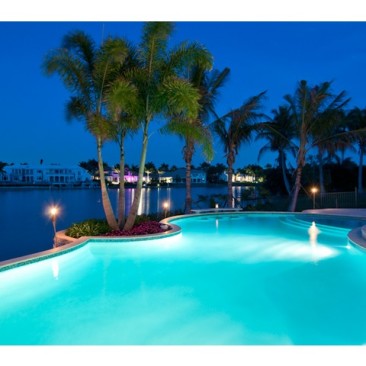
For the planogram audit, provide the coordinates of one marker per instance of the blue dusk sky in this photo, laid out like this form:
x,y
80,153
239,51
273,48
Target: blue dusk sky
x,y
262,55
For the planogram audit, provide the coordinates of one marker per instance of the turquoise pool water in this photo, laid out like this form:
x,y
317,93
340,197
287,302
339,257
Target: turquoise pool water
x,y
225,280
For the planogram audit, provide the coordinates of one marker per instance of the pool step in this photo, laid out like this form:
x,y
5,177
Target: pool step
x,y
298,223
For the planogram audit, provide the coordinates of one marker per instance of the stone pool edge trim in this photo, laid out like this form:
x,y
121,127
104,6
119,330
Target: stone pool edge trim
x,y
355,236
74,244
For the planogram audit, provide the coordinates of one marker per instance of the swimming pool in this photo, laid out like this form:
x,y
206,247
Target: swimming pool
x,y
227,279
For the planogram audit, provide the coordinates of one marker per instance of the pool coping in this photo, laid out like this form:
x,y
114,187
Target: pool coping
x,y
73,244
355,236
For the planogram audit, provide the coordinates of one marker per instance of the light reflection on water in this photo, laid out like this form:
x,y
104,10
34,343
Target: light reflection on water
x,y
25,227
226,280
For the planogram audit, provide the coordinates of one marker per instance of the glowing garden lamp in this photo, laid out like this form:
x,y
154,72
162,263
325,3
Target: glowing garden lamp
x,y
53,213
314,190
165,207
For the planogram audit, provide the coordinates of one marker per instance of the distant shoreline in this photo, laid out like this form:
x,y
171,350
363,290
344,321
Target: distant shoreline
x,y
64,187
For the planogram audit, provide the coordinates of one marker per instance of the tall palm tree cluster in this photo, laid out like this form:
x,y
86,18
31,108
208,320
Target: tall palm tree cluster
x,y
118,88
313,119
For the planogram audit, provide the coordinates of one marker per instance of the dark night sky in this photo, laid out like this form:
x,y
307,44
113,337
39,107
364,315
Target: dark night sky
x,y
262,55
266,55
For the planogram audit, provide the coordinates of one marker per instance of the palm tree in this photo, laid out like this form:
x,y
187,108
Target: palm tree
x,y
345,141
356,120
311,107
279,133
327,138
124,125
235,128
121,100
86,72
161,88
196,131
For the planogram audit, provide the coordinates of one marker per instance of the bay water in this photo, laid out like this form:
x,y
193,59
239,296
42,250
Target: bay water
x,y
26,228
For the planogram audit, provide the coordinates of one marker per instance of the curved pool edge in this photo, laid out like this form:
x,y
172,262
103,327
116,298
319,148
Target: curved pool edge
x,y
356,238
305,213
74,244
40,256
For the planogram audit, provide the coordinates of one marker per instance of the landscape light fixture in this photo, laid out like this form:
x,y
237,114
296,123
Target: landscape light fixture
x,y
165,206
314,190
53,213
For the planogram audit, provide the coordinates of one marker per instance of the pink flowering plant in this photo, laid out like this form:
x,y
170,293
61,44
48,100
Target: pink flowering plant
x,y
144,228
144,225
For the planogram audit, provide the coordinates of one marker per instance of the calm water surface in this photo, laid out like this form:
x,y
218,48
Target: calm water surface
x,y
25,226
237,279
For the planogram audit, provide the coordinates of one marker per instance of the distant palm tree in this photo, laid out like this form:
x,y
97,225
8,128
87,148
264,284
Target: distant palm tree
x,y
86,72
233,129
197,131
162,91
328,137
164,167
149,169
279,133
356,121
311,107
345,141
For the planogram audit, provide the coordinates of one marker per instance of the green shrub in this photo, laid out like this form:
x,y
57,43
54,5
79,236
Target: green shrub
x,y
92,227
96,227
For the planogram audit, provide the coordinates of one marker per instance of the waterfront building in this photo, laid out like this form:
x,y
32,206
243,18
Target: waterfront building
x,y
179,176
45,174
240,178
113,177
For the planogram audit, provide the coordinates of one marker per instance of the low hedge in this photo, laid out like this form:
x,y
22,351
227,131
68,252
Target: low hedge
x,y
91,227
144,225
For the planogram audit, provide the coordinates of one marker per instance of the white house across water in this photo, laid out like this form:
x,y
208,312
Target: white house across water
x,y
45,174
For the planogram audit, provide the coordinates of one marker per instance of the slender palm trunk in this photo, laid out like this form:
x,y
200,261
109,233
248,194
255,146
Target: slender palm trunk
x,y
300,165
296,190
188,153
121,193
282,160
109,214
321,173
137,198
230,163
188,204
321,176
360,170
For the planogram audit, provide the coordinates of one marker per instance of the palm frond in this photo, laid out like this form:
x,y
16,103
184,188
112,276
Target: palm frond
x,y
82,46
188,55
178,96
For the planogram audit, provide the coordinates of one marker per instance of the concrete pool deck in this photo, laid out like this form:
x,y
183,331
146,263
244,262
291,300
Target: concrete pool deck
x,y
358,235
352,212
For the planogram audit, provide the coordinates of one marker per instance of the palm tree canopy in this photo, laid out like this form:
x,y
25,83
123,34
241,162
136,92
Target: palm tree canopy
x,y
278,132
356,122
236,127
163,88
87,72
73,62
196,130
314,109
